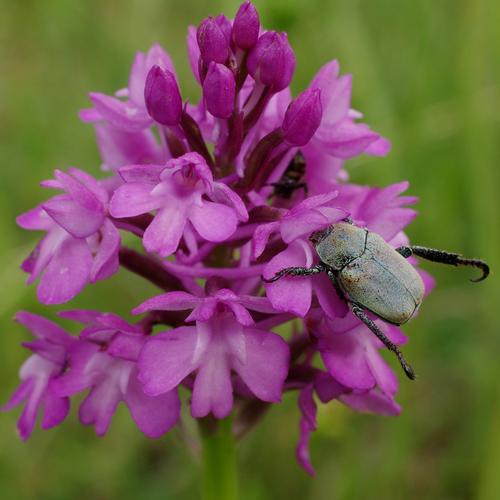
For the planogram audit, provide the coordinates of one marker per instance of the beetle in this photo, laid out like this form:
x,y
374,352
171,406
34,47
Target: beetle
x,y
292,179
371,276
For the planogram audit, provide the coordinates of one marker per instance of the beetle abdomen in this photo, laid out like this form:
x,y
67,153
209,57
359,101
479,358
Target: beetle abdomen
x,y
382,281
402,270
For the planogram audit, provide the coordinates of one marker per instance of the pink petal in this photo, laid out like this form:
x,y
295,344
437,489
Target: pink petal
x,y
89,115
44,252
307,426
348,139
67,273
225,195
79,192
385,378
327,388
429,281
323,170
204,311
43,328
290,294
328,298
266,365
193,52
125,346
99,406
132,199
391,222
213,391
261,237
75,219
165,232
156,55
22,392
137,79
241,314
303,224
35,219
335,94
106,259
97,187
344,357
153,415
55,410
380,147
171,301
372,401
260,304
120,147
27,420
125,115
213,221
78,377
81,315
314,202
167,359
142,174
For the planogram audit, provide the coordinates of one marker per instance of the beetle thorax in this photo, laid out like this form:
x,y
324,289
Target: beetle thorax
x,y
341,244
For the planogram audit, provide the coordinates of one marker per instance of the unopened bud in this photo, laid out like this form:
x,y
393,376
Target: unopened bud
x,y
225,25
213,40
246,26
272,61
303,117
219,89
162,96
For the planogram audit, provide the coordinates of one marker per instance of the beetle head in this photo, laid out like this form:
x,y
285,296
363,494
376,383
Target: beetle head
x,y
318,236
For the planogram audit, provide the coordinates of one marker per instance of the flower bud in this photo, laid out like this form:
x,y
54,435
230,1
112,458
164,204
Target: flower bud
x,y
303,117
272,61
212,36
246,26
162,96
219,89
225,25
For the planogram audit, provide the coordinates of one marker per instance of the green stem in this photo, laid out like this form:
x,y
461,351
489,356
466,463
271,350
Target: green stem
x,y
219,474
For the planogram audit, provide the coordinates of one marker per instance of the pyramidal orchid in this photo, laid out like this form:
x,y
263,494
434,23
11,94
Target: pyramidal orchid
x,y
204,190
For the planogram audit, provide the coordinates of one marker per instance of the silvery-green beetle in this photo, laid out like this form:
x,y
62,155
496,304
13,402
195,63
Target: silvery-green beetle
x,y
372,276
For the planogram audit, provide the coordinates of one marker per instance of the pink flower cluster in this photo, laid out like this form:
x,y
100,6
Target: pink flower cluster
x,y
208,189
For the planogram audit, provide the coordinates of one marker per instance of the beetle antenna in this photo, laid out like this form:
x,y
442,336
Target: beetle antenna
x,y
361,314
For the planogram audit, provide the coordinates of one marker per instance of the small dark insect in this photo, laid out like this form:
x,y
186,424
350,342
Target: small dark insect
x,y
372,276
292,179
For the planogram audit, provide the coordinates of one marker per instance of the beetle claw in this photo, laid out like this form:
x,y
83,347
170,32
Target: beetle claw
x,y
276,277
484,268
409,371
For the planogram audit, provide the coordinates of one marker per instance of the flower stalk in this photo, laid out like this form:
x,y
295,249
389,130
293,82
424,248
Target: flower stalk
x,y
219,460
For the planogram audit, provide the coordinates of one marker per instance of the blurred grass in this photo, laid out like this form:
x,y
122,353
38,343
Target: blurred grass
x,y
426,74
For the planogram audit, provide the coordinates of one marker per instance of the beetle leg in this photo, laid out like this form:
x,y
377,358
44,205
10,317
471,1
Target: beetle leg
x,y
443,257
405,251
285,189
361,314
333,279
295,271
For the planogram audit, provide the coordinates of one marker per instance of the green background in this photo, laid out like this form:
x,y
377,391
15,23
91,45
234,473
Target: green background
x,y
426,74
